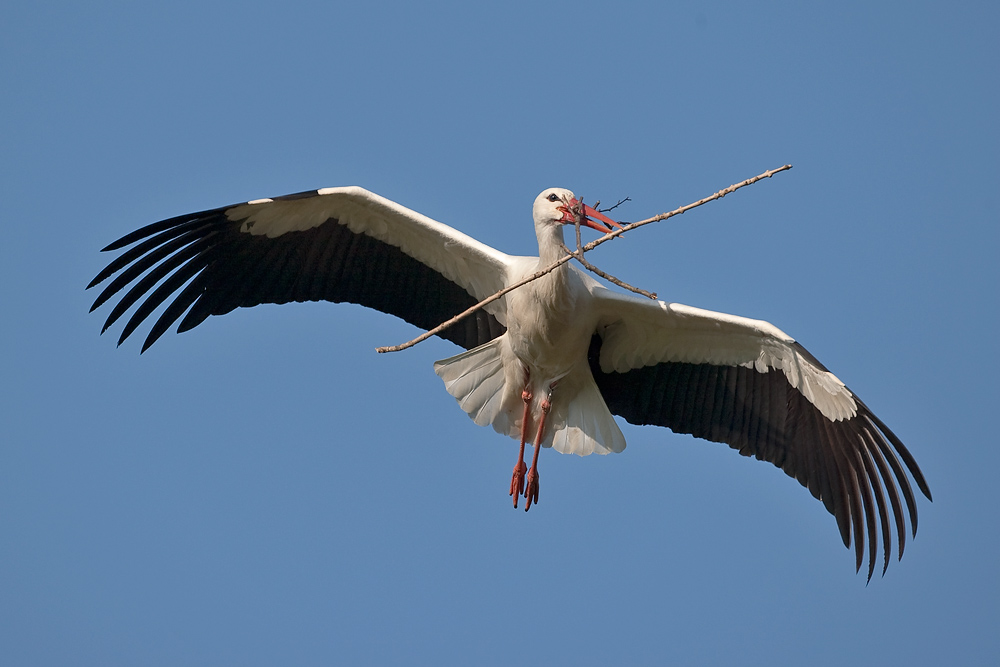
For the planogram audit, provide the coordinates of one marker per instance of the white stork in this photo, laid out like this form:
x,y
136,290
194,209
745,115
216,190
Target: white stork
x,y
549,363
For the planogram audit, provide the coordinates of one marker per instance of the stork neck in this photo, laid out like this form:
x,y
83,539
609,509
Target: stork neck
x,y
550,238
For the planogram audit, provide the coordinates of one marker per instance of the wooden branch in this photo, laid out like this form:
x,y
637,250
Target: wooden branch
x,y
684,209
590,246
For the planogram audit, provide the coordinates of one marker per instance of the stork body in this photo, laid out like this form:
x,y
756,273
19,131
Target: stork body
x,y
550,362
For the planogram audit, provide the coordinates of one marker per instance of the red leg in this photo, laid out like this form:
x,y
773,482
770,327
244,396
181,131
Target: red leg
x,y
531,490
517,479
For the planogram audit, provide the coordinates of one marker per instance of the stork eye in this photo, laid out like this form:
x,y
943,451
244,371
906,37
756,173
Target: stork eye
x,y
553,197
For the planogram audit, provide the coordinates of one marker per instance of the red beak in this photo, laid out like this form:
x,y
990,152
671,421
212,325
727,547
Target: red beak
x,y
590,217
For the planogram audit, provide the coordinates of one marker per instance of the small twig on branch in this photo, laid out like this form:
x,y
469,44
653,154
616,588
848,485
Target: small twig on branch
x,y
578,256
579,216
597,205
590,246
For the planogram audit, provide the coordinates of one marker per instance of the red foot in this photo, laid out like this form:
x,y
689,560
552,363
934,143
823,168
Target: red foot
x,y
517,482
531,490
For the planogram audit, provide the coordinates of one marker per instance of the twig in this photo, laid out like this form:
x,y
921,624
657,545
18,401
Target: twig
x,y
578,256
590,246
578,217
597,205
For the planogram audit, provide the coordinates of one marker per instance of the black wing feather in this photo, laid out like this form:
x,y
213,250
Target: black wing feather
x,y
850,465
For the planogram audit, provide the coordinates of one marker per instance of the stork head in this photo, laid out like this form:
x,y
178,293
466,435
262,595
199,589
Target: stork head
x,y
559,206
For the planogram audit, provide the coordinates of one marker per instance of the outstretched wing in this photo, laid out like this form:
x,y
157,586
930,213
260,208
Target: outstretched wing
x,y
334,244
746,383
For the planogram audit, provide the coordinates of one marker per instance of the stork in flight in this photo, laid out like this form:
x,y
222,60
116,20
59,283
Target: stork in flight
x,y
550,362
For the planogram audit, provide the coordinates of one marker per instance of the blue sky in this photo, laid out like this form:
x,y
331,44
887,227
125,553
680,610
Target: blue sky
x,y
265,489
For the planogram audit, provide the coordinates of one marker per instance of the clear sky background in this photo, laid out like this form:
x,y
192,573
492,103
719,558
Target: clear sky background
x,y
266,489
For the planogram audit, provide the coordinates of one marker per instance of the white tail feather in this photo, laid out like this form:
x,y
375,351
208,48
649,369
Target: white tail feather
x,y
579,423
476,379
588,427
